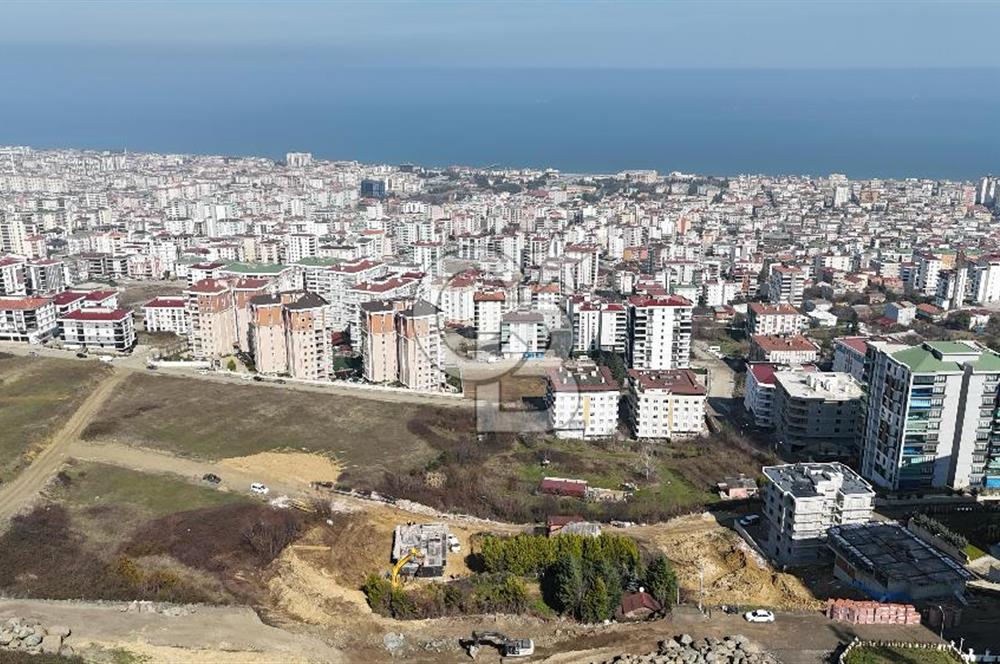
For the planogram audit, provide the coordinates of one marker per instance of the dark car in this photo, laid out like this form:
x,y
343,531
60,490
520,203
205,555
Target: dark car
x,y
211,478
281,381
81,355
258,378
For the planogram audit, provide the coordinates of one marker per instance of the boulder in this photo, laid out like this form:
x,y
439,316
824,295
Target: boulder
x,y
32,640
60,630
51,644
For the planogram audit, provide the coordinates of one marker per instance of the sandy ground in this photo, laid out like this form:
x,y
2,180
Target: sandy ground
x,y
285,468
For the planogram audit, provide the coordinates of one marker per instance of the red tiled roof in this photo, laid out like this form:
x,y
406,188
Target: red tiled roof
x,y
166,302
668,301
678,381
97,314
23,303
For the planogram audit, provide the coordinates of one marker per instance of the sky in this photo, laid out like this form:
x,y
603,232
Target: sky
x,y
800,34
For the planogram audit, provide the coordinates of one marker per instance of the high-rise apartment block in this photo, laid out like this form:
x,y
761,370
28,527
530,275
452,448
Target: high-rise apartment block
x,y
933,416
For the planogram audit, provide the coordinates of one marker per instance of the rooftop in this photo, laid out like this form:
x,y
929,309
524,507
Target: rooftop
x,y
890,551
820,385
811,480
677,381
581,377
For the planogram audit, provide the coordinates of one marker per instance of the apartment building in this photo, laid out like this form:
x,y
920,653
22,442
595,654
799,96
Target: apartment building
x,y
419,329
98,327
211,318
489,310
45,276
793,350
166,314
933,419
665,403
28,319
13,279
803,501
267,341
379,349
785,285
582,400
659,332
817,412
310,352
523,333
774,319
244,290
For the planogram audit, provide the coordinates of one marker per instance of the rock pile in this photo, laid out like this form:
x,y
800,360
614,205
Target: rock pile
x,y
30,636
684,649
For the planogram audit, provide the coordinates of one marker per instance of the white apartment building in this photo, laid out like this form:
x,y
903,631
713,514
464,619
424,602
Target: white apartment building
x,y
582,400
489,310
165,314
803,501
774,319
925,277
932,416
13,278
786,285
98,327
659,332
665,403
817,412
30,319
523,333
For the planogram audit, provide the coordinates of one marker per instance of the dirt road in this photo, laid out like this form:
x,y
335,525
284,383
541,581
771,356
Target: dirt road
x,y
207,628
22,490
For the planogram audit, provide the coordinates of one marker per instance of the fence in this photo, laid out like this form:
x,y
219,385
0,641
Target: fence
x,y
970,656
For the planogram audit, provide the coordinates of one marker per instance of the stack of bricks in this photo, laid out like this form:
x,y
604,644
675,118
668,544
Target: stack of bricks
x,y
872,613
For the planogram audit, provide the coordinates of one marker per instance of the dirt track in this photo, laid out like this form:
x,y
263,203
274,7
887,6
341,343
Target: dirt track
x,y
209,629
22,490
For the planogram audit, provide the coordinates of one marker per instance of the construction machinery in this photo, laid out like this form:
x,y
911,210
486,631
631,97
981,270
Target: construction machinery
x,y
507,646
412,554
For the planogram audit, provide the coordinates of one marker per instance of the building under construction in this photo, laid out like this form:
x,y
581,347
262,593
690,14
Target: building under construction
x,y
430,540
888,562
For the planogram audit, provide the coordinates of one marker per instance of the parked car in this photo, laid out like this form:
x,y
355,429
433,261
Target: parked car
x,y
454,546
259,489
759,616
750,520
81,354
211,478
259,379
281,381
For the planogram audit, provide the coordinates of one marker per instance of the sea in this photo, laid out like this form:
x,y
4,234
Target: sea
x,y
890,123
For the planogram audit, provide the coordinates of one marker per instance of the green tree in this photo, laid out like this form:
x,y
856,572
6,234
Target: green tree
x,y
595,606
231,364
567,583
661,580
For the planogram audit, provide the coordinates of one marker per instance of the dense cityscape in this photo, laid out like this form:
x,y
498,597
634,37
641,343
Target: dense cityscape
x,y
791,381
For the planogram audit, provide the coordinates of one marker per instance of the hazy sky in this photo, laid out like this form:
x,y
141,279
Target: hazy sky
x,y
570,33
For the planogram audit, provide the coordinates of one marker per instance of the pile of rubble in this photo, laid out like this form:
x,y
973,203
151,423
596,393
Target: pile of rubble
x,y
31,637
683,649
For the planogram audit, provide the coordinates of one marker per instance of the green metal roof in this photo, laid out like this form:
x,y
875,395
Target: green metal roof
x,y
921,360
255,268
948,347
319,261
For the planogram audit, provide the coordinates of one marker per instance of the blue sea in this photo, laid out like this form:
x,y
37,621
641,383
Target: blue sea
x,y
865,123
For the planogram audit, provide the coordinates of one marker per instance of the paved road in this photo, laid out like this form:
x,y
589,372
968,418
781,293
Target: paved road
x,y
721,380
22,490
231,629
137,362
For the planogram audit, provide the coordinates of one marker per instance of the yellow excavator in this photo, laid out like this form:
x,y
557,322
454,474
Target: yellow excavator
x,y
412,554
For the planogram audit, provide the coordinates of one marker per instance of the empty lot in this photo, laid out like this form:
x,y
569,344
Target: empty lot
x,y
203,420
37,395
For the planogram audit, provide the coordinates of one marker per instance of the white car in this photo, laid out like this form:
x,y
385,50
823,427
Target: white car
x,y
759,616
454,546
750,520
259,489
